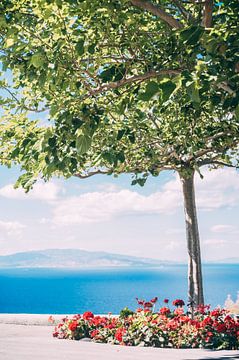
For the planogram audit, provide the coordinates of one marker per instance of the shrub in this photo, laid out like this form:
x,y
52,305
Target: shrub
x,y
211,329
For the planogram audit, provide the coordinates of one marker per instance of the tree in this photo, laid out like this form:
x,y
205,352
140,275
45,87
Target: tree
x,y
129,87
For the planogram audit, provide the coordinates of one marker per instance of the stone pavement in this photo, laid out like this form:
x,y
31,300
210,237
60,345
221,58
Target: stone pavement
x,y
35,342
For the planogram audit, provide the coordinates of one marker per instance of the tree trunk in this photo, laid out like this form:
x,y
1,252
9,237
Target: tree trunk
x,y
195,285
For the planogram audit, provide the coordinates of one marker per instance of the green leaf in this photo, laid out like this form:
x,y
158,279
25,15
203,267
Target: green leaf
x,y
52,142
120,134
237,112
3,22
120,157
195,95
131,138
193,92
80,47
9,42
191,35
26,180
38,60
83,143
152,89
167,88
108,156
91,48
108,74
119,72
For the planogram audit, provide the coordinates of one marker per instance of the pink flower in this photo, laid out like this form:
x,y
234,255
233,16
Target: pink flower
x,y
51,319
179,311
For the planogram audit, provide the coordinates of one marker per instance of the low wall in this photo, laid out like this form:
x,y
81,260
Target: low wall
x,y
33,319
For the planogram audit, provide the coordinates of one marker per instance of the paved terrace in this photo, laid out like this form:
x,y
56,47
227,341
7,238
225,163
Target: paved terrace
x,y
27,337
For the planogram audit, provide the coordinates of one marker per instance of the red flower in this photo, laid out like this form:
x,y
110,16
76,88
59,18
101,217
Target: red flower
x,y
139,310
207,321
88,315
140,302
119,334
94,333
178,302
216,313
229,319
76,317
55,334
166,301
73,325
202,309
184,319
154,300
221,328
148,304
164,311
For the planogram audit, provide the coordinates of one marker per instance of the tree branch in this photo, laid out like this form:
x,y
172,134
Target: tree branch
x,y
92,173
207,15
132,79
226,87
210,147
216,162
155,10
186,14
23,105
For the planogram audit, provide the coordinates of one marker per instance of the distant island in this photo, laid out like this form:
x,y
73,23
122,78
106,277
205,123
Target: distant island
x,y
75,258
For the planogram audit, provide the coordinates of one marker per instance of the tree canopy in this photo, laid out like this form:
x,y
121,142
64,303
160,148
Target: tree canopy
x,y
127,86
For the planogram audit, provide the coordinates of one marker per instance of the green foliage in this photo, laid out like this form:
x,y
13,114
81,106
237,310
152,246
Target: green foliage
x,y
166,328
126,312
124,90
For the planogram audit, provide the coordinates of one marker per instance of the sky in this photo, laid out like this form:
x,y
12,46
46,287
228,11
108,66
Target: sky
x,y
104,213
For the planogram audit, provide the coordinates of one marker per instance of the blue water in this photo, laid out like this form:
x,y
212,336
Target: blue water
x,y
52,291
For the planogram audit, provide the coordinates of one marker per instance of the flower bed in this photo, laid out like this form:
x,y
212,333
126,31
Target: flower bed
x,y
210,329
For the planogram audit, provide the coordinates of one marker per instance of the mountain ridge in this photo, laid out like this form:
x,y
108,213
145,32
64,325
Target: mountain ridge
x,y
75,258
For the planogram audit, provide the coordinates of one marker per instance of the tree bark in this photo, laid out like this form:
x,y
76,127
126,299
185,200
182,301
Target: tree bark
x,y
195,283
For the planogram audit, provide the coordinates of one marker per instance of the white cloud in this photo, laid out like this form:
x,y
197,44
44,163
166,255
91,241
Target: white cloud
x,y
102,206
214,242
225,229
173,245
11,228
175,231
41,191
219,188
108,187
216,190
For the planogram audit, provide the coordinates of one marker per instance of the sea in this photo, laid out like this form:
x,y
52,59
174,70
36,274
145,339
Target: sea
x,y
69,291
